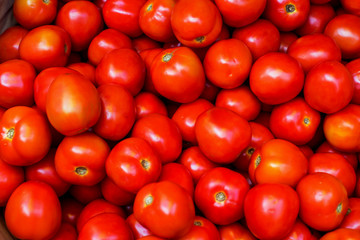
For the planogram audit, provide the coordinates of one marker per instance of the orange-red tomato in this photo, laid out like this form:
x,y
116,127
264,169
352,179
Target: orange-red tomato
x,y
9,41
235,230
138,230
352,217
11,178
114,194
146,103
202,229
342,233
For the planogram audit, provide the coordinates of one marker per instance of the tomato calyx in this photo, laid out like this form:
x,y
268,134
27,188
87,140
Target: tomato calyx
x,y
306,121
149,8
348,211
339,208
46,1
10,134
257,161
145,164
290,8
167,57
81,171
220,197
148,200
200,39
250,151
198,223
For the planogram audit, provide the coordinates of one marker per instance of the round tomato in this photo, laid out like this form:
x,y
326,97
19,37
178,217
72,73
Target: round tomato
x,y
299,232
144,43
148,56
11,178
137,229
352,217
9,41
235,231
202,229
146,103
286,39
86,69
114,194
342,233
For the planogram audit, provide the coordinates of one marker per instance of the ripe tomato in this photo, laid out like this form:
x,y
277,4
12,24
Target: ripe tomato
x,y
235,231
227,63
342,233
11,178
86,69
276,78
286,39
299,232
354,68
351,7
202,229
66,231
9,41
271,204
165,208
352,217
323,201
148,56
114,194
33,202
137,229
16,83
146,103
73,104
25,136
178,74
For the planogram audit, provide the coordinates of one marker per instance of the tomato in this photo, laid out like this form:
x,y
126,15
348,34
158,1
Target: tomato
x,y
354,68
161,133
165,208
86,69
240,13
286,39
352,217
235,231
178,74
25,136
10,40
106,226
114,194
198,25
71,209
16,83
185,118
319,16
202,229
137,229
271,204
323,201
122,66
260,37
146,103
306,150
349,43
351,7
85,194
107,40
287,15
46,46
33,202
276,78
342,129
294,121
227,63
30,14
278,161
11,178
148,56
328,87
312,49
210,91
341,233
66,231
80,159
82,20
299,232
117,112
45,171
73,104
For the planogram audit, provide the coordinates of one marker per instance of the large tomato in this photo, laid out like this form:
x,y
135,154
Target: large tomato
x,y
352,217
10,40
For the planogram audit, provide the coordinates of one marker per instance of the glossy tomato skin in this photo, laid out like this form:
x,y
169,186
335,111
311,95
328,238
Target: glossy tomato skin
x,y
137,229
354,68
33,202
277,88
35,13
328,87
312,49
227,63
352,217
82,20
271,204
86,69
341,233
148,56
117,112
146,103
165,208
11,178
260,37
294,121
323,201
25,136
73,104
351,7
202,229
114,194
46,46
122,66
287,15
228,232
176,71
16,83
10,40
342,129
299,231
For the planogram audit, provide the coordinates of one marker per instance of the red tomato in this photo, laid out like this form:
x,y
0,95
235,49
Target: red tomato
x,y
107,40
86,69
260,37
185,118
11,178
25,136
66,231
269,204
154,19
240,13
276,78
313,49
222,134
16,83
165,208
352,7
220,195
46,46
85,194
146,103
235,231
33,202
117,112
323,201
178,74
294,121
352,217
196,23
328,87
286,39
354,68
287,15
80,159
137,229
82,20
144,43
227,63
278,161
342,233
161,133
122,66
148,56
202,229
349,43
299,232
114,194
106,226
9,41
73,104
342,129
71,209
30,14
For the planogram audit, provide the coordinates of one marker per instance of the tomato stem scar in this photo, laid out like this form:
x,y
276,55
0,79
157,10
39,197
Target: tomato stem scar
x,y
290,8
145,164
148,200
10,133
81,171
220,197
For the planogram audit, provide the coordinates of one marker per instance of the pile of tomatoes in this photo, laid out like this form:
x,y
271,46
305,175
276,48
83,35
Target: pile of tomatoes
x,y
181,119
